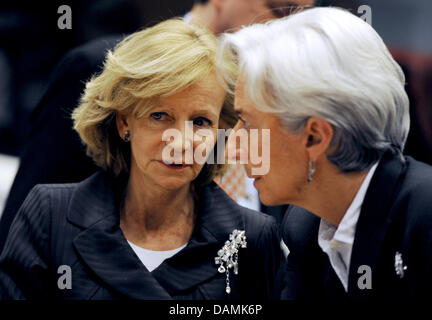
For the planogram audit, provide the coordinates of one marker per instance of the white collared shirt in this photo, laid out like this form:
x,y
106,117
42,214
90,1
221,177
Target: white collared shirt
x,y
152,259
251,200
337,242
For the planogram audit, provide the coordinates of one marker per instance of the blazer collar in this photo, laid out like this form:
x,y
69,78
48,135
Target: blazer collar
x,y
105,250
94,199
218,216
375,217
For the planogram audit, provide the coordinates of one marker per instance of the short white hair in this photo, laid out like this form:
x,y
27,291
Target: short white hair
x,y
327,63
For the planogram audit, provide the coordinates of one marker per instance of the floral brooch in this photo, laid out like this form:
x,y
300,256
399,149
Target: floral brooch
x,y
228,256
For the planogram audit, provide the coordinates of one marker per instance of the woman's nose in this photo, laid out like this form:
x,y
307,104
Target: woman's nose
x,y
237,152
184,141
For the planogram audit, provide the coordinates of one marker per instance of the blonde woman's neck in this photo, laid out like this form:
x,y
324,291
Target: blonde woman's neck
x,y
156,218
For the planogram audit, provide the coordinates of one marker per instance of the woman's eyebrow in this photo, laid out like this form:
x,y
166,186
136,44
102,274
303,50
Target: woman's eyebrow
x,y
283,4
204,112
283,9
162,107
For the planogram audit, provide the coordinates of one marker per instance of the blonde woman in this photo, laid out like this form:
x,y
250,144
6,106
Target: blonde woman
x,y
143,227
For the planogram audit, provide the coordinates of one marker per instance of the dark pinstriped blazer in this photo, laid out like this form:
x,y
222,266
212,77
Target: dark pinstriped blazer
x,y
78,225
396,216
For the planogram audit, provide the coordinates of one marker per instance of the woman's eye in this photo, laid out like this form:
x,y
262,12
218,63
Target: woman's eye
x,y
281,10
158,115
201,121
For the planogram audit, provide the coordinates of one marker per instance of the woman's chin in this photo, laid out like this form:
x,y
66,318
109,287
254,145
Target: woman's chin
x,y
269,199
174,183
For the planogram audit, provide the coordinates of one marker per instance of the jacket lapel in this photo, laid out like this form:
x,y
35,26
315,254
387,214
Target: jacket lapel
x,y
105,250
102,244
218,216
374,219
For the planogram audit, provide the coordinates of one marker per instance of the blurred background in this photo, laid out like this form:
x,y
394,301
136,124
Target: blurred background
x,y
31,44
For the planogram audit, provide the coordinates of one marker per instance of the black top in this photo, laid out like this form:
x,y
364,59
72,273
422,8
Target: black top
x,y
396,217
77,225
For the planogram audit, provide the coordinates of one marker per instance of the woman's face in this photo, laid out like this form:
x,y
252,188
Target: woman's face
x,y
201,104
288,168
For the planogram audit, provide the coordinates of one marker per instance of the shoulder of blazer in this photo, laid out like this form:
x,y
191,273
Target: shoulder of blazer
x,y
38,219
82,203
49,198
221,215
416,186
415,200
263,229
412,204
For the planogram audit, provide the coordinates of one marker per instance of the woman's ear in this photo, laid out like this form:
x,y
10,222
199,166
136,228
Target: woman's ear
x,y
122,124
319,134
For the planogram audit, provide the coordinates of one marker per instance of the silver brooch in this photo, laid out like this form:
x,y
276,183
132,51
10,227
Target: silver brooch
x,y
228,256
398,264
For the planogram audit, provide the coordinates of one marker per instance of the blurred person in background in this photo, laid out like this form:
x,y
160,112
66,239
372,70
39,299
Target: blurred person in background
x,y
53,152
360,224
32,44
31,61
142,227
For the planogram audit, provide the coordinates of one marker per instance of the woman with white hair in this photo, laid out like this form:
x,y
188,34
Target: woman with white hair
x,y
325,84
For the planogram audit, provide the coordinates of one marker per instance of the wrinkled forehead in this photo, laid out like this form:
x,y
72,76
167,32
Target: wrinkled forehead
x,y
283,8
285,3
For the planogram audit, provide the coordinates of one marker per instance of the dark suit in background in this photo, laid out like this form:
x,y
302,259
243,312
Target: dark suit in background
x,y
78,225
396,216
53,152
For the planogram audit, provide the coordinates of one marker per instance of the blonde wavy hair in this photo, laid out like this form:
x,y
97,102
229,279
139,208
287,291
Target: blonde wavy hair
x,y
148,65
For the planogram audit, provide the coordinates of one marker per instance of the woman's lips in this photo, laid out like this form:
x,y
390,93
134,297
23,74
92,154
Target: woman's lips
x,y
175,166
